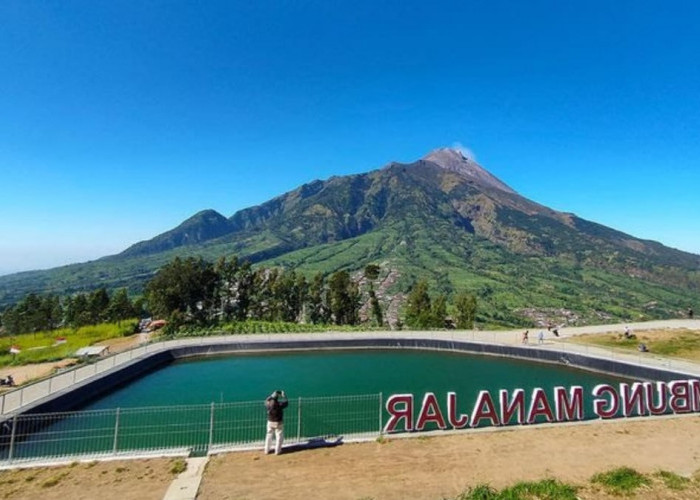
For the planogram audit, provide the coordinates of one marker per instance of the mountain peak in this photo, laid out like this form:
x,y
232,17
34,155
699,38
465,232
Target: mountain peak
x,y
454,160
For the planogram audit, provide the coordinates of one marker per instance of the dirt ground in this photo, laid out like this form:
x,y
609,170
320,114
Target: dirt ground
x,y
122,480
442,467
430,468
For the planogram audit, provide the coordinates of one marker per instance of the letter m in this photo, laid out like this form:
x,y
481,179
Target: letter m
x,y
568,406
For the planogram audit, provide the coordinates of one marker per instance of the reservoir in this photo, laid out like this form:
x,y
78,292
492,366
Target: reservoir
x,y
306,374
200,404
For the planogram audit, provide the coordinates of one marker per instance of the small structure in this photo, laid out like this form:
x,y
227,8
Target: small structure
x,y
156,325
93,351
15,349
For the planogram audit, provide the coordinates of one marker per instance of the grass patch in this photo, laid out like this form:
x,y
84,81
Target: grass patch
x,y
44,346
546,489
672,480
677,343
178,466
382,440
53,481
623,480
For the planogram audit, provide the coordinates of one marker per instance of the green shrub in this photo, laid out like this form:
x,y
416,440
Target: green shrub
x,y
622,480
178,466
673,481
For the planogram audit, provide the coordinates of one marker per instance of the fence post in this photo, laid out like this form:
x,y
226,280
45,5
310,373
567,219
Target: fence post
x,y
116,432
12,438
381,404
299,420
211,426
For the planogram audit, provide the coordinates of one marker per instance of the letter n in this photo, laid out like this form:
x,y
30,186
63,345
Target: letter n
x,y
632,397
515,405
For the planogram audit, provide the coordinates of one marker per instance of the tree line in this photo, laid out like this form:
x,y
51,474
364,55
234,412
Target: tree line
x,y
195,292
37,313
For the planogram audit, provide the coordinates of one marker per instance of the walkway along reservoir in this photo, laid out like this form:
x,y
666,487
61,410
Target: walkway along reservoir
x,y
209,416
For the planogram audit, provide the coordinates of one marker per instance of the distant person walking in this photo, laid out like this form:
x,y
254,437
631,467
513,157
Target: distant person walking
x,y
690,313
526,334
275,405
540,337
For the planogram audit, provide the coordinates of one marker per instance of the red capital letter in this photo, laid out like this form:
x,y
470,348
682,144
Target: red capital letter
x,y
484,409
599,404
396,413
571,407
430,412
455,421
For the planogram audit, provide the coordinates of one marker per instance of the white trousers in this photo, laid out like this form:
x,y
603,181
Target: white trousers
x,y
276,429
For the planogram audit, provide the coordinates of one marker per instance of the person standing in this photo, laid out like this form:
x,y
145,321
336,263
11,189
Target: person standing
x,y
540,337
275,405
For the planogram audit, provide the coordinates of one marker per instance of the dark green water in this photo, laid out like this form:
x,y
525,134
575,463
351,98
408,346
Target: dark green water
x,y
335,373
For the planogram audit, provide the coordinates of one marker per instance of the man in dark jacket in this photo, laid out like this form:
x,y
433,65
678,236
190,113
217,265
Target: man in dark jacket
x,y
275,404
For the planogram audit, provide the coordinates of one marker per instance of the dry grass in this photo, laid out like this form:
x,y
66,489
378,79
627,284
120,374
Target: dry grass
x,y
684,344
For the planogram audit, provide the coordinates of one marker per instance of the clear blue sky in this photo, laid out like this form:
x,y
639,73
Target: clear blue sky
x,y
120,119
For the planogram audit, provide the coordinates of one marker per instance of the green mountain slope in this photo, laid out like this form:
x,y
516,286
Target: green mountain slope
x,y
442,217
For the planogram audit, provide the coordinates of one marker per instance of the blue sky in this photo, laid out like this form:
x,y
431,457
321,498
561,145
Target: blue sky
x,y
120,119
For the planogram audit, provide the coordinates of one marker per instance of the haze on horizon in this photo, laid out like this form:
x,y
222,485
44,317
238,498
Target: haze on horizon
x,y
122,120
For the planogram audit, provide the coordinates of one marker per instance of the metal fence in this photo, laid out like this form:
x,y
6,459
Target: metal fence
x,y
195,429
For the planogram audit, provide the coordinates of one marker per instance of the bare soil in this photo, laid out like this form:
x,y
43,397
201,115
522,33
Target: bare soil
x,y
430,468
443,467
118,480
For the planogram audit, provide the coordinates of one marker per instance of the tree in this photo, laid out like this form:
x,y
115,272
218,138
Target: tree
x,y
375,308
317,299
465,310
372,271
186,285
344,298
98,305
439,311
121,307
418,306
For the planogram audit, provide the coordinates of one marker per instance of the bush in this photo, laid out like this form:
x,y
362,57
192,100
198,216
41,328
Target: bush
x,y
621,480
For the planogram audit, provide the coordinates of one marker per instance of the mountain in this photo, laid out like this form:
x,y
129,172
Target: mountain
x,y
443,217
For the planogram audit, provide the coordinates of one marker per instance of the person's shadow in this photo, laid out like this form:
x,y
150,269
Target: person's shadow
x,y
313,443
